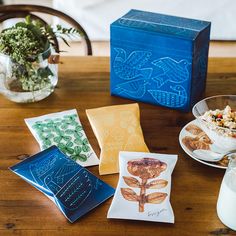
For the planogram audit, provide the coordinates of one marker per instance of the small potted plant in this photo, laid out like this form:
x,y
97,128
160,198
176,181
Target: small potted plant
x,y
27,71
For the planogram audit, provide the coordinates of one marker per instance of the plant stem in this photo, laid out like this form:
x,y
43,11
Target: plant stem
x,y
142,195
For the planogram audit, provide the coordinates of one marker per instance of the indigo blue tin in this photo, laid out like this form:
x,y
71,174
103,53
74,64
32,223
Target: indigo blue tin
x,y
159,59
70,186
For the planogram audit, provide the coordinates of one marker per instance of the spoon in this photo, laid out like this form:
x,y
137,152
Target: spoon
x,y
207,155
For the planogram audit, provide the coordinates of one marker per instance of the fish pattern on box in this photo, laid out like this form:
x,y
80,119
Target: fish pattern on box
x,y
73,188
157,59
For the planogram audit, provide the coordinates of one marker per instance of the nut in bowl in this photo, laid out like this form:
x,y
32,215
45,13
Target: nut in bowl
x,y
217,118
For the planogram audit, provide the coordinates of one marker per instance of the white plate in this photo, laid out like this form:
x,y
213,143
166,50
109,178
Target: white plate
x,y
187,136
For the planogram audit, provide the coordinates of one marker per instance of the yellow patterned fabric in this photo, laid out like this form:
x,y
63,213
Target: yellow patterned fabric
x,y
117,128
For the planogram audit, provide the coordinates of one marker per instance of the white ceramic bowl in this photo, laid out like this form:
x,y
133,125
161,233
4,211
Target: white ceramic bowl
x,y
224,138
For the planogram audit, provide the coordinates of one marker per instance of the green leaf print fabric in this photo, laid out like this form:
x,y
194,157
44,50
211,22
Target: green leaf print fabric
x,y
64,130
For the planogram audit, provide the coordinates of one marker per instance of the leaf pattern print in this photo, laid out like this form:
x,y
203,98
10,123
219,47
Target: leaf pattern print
x,y
71,119
66,133
78,155
84,143
66,148
47,140
61,136
85,148
77,131
51,125
38,125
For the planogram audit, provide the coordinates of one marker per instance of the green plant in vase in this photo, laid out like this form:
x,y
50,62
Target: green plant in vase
x,y
29,45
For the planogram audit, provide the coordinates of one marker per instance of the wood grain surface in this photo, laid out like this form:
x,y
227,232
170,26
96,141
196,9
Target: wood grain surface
x,y
83,84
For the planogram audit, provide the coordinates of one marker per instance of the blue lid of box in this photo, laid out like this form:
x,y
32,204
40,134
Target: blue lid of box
x,y
162,24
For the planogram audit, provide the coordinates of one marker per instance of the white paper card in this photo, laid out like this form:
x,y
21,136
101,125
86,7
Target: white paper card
x,y
64,130
143,190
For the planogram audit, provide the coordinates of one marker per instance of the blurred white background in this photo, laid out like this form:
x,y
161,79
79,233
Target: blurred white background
x,y
96,15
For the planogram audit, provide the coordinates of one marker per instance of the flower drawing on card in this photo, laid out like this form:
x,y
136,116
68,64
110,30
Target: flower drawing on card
x,y
145,169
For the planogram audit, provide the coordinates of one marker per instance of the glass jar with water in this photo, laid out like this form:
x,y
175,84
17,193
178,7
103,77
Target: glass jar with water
x,y
226,205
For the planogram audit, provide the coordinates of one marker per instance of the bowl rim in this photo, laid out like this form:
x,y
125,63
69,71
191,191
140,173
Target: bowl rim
x,y
201,120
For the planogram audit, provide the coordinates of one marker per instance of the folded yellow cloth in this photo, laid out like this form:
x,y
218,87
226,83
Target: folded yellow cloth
x,y
117,128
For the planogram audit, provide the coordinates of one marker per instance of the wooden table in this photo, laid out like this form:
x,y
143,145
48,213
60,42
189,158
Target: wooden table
x,y
84,83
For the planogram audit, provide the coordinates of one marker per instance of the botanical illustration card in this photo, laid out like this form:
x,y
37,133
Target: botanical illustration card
x,y
71,187
64,130
143,190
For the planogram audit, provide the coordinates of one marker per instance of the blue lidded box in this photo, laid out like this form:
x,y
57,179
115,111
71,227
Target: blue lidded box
x,y
159,59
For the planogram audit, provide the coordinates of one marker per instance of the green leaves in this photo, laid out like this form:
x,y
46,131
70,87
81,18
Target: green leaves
x,y
44,72
21,24
24,42
28,20
69,32
64,40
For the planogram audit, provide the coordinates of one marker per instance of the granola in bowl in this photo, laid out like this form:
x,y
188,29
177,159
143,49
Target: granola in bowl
x,y
216,116
225,118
